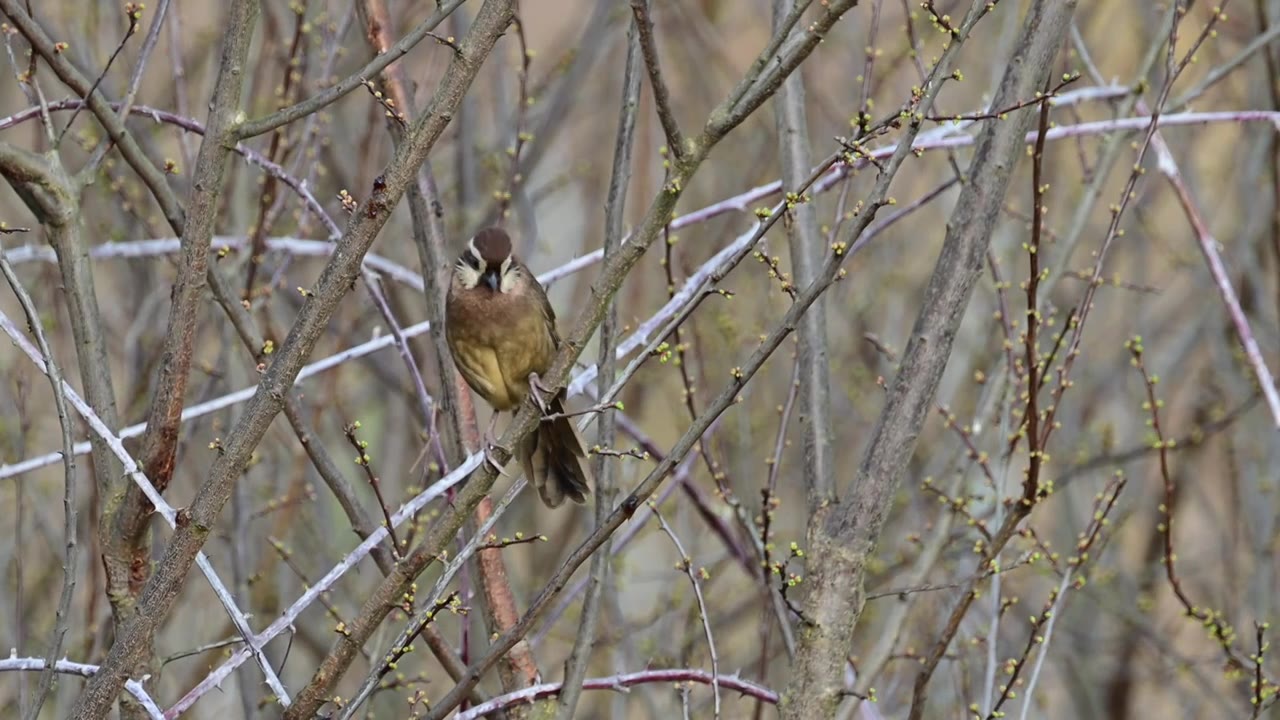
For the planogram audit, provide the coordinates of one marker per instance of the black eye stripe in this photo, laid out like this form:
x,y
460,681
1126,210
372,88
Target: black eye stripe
x,y
471,260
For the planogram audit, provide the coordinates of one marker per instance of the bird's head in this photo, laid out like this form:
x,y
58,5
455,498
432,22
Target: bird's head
x,y
487,262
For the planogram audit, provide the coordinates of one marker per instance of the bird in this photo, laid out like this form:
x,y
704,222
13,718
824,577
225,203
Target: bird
x,y
501,332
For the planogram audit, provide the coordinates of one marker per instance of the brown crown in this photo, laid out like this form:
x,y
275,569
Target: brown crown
x,y
494,246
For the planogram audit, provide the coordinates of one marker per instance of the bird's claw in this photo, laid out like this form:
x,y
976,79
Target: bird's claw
x,y
491,437
537,390
492,461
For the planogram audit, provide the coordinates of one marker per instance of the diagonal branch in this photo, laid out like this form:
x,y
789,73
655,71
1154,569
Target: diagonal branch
x,y
378,605
172,517
160,444
1217,269
419,621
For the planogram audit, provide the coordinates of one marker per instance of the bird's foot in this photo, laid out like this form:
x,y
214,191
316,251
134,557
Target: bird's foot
x,y
537,390
491,437
492,461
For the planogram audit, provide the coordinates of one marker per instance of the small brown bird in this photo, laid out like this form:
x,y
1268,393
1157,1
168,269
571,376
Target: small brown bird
x,y
502,334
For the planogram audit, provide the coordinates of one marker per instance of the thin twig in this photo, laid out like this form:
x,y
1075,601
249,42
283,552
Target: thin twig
x,y
62,617
1213,621
363,460
384,59
514,178
807,247
135,81
201,649
661,96
133,13
686,566
426,405
1041,632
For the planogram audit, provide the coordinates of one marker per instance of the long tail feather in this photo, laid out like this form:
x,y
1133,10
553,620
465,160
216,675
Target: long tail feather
x,y
555,460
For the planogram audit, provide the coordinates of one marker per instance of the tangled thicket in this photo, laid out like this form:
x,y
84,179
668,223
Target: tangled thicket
x,y
925,350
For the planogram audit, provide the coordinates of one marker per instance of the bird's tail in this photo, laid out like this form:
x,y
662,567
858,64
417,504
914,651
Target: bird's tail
x,y
555,459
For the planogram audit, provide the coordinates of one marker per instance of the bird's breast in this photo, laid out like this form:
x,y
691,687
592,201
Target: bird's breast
x,y
497,339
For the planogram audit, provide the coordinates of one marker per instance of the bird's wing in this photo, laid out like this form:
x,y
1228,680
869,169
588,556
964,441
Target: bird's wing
x,y
480,368
548,313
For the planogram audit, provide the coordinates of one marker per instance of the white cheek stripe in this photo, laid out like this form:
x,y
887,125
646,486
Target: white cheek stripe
x,y
466,275
509,278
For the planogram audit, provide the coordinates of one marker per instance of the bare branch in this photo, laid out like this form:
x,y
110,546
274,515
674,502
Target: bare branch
x,y
135,80
172,517
839,548
621,683
606,472
133,687
70,551
132,14
806,245
661,96
333,284
423,616
297,111
686,565
1209,247
351,559
151,176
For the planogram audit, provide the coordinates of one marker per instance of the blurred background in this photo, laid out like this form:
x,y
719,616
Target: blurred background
x,y
1121,645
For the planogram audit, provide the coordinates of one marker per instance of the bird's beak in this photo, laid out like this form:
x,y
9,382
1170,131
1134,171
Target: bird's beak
x,y
491,279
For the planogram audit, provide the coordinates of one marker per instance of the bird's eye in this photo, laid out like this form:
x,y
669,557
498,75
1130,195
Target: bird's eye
x,y
471,260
